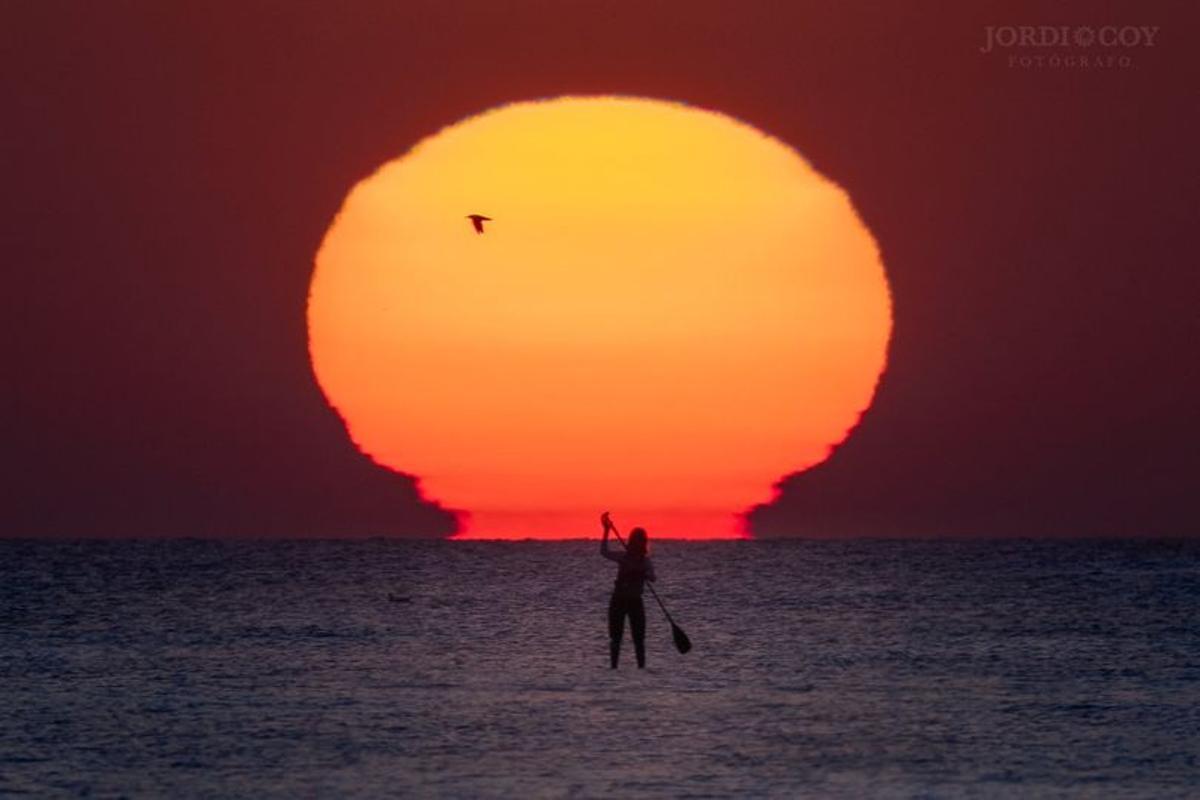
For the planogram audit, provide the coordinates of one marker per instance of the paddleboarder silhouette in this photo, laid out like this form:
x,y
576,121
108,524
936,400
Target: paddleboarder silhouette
x,y
634,569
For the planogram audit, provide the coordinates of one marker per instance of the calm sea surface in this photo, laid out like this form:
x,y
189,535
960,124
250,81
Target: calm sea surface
x,y
862,669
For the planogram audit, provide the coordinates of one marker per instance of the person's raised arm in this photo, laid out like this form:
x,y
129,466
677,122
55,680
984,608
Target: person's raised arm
x,y
604,551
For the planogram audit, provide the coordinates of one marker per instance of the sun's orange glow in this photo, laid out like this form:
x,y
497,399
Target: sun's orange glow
x,y
668,311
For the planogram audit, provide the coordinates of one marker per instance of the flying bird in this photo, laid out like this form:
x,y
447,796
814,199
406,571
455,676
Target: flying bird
x,y
477,220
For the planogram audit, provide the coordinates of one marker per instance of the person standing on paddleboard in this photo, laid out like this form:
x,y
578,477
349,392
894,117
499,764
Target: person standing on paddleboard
x,y
632,573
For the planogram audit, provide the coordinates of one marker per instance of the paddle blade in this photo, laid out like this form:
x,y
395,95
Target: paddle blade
x,y
682,642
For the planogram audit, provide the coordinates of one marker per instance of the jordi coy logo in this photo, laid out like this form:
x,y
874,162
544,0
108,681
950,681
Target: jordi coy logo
x,y
1066,36
1068,46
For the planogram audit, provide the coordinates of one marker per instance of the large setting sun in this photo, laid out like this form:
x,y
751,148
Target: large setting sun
x,y
665,311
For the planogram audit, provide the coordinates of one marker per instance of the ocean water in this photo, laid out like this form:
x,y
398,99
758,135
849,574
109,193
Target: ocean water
x,y
849,669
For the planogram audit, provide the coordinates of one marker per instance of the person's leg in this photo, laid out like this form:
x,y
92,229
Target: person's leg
x,y
637,624
616,629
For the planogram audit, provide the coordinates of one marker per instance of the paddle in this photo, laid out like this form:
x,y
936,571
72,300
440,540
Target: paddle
x,y
682,642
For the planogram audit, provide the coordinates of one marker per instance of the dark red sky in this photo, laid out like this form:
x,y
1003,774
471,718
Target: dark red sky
x,y
169,169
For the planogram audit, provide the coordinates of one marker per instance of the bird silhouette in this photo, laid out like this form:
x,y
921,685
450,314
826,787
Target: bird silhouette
x,y
477,220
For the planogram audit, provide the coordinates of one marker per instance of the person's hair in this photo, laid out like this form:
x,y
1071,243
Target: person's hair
x,y
639,545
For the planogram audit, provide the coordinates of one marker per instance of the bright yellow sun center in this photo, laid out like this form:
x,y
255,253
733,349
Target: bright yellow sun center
x,y
668,311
